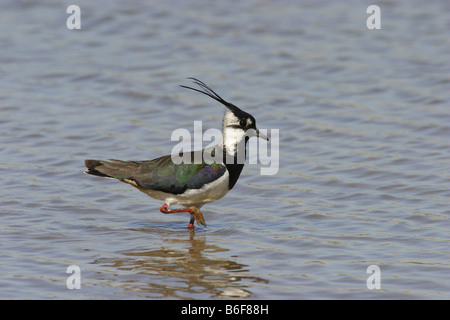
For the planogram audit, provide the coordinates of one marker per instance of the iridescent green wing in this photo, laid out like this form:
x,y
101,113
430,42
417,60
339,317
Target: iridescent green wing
x,y
162,174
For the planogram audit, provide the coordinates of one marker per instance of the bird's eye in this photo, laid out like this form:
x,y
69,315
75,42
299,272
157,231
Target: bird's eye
x,y
242,123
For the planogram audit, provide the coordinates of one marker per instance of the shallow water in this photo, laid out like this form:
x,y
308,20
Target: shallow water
x,y
363,179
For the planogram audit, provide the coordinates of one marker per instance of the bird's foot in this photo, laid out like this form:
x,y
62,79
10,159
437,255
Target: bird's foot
x,y
196,214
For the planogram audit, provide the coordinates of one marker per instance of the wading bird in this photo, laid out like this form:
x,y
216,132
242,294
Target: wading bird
x,y
189,184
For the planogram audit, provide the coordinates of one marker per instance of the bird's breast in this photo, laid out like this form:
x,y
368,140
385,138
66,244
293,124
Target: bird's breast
x,y
210,192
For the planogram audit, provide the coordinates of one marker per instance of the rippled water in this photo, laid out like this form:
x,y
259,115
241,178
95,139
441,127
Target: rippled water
x,y
364,122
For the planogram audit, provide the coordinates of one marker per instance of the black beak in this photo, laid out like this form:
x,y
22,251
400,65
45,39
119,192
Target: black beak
x,y
261,135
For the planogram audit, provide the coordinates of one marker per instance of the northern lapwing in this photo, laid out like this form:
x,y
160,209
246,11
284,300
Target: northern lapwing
x,y
189,184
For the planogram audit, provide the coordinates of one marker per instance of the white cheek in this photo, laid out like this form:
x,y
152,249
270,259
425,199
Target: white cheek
x,y
233,135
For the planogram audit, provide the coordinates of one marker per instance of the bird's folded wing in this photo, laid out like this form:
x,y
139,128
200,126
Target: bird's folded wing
x,y
162,174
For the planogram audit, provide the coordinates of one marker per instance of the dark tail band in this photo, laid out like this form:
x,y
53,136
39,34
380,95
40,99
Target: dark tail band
x,y
91,168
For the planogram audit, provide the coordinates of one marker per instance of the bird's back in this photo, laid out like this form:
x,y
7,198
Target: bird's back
x,y
160,174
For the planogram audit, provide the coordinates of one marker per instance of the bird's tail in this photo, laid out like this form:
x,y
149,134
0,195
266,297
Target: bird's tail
x,y
117,169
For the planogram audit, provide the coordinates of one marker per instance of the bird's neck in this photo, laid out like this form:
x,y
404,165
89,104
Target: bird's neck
x,y
234,153
234,146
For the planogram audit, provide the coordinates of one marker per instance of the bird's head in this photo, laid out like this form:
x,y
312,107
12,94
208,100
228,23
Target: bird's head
x,y
237,124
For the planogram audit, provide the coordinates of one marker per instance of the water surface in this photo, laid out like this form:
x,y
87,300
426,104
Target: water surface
x,y
363,117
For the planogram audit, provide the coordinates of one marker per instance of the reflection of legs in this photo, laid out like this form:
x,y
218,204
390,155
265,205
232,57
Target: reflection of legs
x,y
196,214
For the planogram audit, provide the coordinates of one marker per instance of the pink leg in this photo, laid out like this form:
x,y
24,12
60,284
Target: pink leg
x,y
195,212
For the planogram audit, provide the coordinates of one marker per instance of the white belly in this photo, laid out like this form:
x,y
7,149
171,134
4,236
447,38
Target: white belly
x,y
196,197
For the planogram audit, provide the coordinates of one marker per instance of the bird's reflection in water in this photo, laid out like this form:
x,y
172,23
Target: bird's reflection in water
x,y
187,268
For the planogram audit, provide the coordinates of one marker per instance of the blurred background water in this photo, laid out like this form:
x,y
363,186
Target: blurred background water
x,y
364,122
